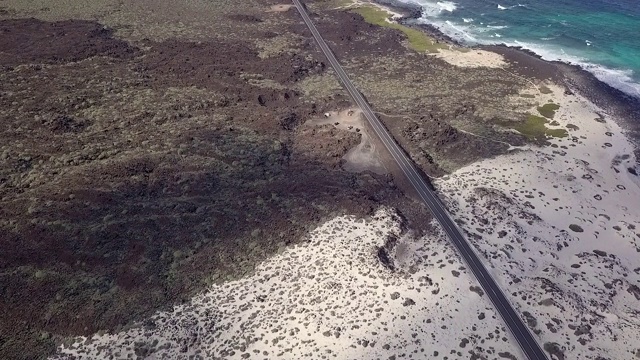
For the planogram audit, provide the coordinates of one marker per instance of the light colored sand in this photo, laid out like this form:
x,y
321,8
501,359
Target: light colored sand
x,y
519,209
394,15
280,7
357,3
328,298
454,56
472,58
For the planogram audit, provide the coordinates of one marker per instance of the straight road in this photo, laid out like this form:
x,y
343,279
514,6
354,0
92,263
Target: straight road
x,y
521,333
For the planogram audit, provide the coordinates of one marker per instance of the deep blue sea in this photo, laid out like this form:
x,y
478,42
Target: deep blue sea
x,y
602,36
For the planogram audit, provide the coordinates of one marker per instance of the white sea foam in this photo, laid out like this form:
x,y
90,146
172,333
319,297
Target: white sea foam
x,y
500,7
619,79
468,32
447,6
434,9
457,31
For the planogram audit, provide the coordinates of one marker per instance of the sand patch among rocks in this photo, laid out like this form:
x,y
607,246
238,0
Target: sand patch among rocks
x,y
364,157
280,8
472,58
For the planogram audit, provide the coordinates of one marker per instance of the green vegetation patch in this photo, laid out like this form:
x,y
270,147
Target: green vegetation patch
x,y
535,128
341,3
545,90
548,110
418,40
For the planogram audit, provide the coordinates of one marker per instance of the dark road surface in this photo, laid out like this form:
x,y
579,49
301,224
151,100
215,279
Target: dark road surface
x,y
519,330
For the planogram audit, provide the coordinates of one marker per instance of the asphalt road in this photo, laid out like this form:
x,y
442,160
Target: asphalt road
x,y
519,330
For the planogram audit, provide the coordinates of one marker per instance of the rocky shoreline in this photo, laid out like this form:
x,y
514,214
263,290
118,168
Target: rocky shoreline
x,y
623,107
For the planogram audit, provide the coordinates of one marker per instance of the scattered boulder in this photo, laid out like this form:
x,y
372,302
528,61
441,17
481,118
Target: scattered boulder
x,y
634,290
546,302
531,320
576,228
507,355
583,330
555,350
60,124
408,302
289,121
384,254
600,252
477,290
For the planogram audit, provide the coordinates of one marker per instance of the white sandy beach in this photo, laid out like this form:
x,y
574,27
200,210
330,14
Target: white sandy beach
x,y
471,58
561,227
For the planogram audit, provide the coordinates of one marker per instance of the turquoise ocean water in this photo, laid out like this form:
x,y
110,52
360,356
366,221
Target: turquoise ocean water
x,y
601,36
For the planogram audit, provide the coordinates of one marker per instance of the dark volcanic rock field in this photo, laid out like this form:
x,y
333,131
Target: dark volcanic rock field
x,y
132,176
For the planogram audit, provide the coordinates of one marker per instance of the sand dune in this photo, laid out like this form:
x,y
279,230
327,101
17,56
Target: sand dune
x,y
555,223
